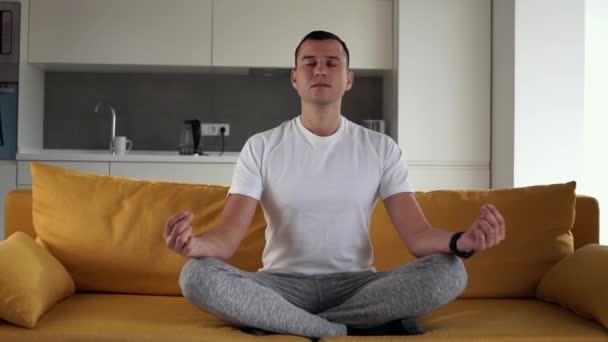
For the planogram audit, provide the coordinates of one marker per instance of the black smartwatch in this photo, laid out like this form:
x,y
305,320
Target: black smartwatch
x,y
454,249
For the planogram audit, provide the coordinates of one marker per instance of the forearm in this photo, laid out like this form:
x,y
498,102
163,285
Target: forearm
x,y
223,240
429,241
215,244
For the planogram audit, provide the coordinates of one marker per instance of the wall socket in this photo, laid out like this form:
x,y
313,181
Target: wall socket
x,y
214,129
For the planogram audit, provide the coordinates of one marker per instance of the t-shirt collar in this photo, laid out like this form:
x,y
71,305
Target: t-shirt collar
x,y
319,139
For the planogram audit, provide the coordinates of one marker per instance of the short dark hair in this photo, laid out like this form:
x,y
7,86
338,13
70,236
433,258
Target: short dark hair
x,y
322,35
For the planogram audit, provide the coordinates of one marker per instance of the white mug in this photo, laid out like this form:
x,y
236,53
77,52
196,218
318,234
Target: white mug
x,y
120,145
375,125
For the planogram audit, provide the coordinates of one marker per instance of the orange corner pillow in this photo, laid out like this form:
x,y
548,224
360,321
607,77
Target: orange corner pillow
x,y
580,283
31,280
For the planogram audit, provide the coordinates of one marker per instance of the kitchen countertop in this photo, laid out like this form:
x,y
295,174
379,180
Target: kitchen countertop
x,y
132,156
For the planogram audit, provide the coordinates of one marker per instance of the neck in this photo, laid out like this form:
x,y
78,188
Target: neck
x,y
321,120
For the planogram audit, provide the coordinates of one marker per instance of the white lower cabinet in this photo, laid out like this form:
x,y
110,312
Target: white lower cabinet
x,y
210,173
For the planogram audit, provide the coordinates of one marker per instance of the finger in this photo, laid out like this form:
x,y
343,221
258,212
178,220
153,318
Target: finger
x,y
501,222
177,231
169,225
490,232
187,249
496,214
489,216
182,240
175,218
480,237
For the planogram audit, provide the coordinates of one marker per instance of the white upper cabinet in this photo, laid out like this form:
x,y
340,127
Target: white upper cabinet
x,y
127,32
445,82
265,33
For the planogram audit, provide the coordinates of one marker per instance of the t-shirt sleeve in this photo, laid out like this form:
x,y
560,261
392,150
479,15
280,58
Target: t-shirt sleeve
x,y
247,177
395,175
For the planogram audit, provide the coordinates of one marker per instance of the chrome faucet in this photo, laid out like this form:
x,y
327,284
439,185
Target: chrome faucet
x,y
113,112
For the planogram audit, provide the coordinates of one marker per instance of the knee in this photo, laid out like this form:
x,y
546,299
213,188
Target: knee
x,y
196,278
453,273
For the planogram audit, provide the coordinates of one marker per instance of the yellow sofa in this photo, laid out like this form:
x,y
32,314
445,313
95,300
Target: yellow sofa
x,y
526,289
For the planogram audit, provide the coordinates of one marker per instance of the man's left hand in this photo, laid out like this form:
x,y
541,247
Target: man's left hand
x,y
487,231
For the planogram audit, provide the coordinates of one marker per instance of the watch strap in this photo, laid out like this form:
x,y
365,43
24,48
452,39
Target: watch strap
x,y
454,248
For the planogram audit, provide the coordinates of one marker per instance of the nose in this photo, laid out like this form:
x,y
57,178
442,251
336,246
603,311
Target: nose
x,y
320,70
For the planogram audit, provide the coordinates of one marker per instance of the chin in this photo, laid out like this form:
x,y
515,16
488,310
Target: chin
x,y
322,99
322,102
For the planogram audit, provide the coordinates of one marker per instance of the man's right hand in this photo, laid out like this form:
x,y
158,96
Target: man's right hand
x,y
178,234
220,242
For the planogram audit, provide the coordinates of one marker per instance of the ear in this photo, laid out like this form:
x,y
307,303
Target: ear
x,y
350,78
293,78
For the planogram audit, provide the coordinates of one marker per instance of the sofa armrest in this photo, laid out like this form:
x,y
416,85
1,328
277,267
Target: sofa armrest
x,y
579,282
18,213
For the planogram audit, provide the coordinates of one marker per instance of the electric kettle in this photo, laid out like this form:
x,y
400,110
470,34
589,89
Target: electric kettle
x,y
190,138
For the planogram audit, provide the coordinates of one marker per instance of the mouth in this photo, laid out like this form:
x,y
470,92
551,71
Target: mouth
x,y
321,85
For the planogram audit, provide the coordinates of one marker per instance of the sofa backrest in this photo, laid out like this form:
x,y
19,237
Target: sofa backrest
x,y
552,234
18,216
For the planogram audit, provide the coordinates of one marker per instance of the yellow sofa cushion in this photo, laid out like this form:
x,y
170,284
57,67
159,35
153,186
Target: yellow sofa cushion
x,y
538,222
31,280
108,231
117,317
93,317
508,320
580,283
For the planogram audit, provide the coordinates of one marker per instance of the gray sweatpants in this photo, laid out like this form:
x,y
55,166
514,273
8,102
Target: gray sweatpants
x,y
322,305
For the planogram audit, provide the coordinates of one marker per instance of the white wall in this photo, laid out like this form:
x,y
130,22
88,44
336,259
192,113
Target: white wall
x,y
549,95
538,92
595,179
549,89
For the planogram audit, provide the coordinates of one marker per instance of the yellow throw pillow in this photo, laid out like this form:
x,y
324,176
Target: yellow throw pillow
x,y
31,280
538,222
580,283
108,231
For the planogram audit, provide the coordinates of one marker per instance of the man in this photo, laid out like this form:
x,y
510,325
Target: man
x,y
317,178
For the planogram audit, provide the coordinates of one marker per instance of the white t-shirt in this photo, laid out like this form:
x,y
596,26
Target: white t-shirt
x,y
318,193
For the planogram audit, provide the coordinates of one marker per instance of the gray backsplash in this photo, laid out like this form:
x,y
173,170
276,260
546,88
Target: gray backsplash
x,y
151,108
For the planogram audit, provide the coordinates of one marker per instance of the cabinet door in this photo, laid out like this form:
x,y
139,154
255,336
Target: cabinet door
x,y
24,174
265,33
445,82
147,32
209,173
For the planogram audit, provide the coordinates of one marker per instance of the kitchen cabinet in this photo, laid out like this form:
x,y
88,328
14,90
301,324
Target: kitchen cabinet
x,y
444,91
225,33
133,32
24,175
8,182
209,173
265,33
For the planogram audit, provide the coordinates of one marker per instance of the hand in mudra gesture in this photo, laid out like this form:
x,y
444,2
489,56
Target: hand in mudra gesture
x,y
487,231
178,234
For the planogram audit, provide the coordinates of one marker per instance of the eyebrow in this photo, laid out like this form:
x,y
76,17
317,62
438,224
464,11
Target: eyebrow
x,y
313,57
